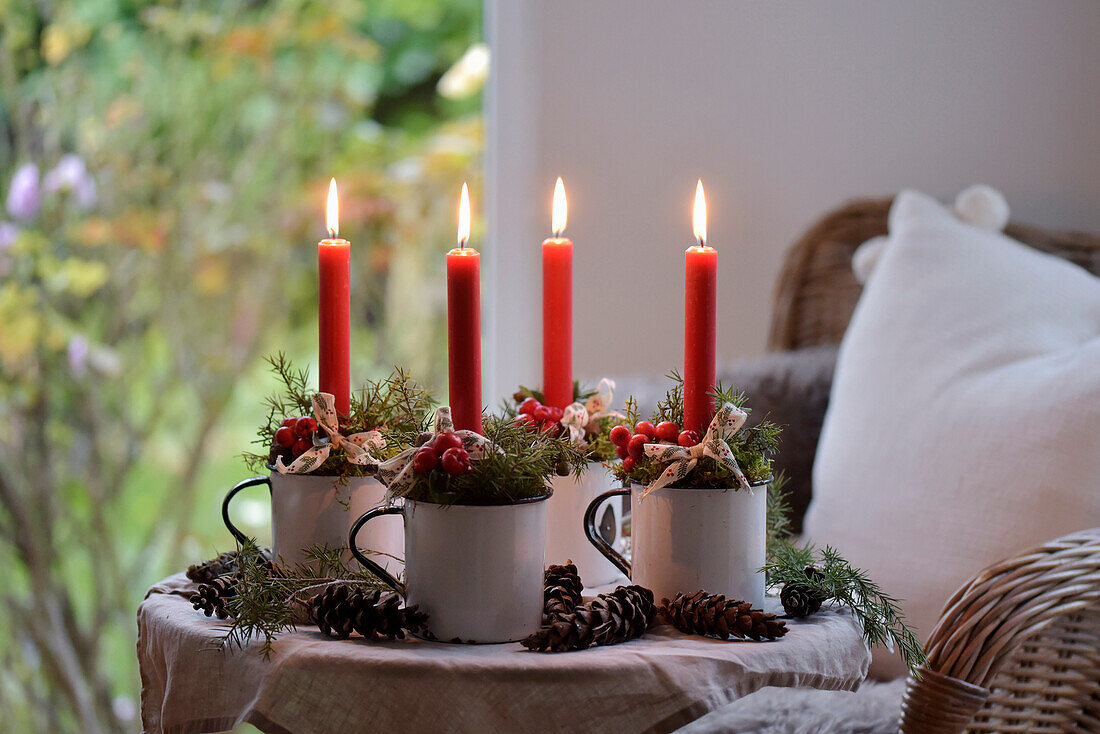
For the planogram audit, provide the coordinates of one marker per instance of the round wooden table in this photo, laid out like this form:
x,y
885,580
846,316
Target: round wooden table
x,y
657,683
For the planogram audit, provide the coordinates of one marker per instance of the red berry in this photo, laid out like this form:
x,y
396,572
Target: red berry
x,y
289,422
425,460
455,461
556,414
527,407
628,464
301,446
525,419
636,447
621,451
284,437
668,431
305,426
619,435
550,427
446,441
688,438
543,413
647,428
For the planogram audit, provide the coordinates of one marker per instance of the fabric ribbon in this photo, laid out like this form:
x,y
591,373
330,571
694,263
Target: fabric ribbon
x,y
397,473
357,446
577,416
727,421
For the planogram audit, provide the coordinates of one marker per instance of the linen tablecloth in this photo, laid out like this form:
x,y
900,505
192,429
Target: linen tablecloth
x,y
189,683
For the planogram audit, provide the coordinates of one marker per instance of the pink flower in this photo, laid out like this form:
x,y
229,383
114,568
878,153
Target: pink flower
x,y
71,174
8,233
78,354
23,200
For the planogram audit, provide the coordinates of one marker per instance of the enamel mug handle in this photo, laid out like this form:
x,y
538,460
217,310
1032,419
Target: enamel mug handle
x,y
594,536
369,564
253,482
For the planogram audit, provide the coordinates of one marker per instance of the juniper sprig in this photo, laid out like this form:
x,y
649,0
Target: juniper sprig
x,y
396,405
268,603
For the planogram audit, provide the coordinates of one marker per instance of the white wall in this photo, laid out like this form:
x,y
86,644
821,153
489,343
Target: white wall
x,y
785,110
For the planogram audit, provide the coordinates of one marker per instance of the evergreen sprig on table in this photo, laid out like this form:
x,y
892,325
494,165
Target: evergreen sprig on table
x,y
266,603
826,574
752,447
396,405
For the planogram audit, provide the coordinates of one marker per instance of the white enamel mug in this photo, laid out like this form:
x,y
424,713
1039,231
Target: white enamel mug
x,y
475,570
683,540
565,538
309,509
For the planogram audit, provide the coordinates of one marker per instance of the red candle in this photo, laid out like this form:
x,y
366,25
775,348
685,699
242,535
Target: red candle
x,y
334,309
464,325
557,309
700,323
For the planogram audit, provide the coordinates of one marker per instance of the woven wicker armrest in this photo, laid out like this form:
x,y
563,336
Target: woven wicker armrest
x,y
817,292
1017,649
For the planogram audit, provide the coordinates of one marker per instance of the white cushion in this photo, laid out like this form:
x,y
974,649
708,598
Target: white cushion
x,y
964,422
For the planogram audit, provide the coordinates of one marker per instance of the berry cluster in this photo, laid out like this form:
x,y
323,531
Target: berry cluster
x,y
294,437
445,452
631,447
539,417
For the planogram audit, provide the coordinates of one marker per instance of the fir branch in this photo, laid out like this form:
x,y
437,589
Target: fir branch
x,y
268,603
396,405
779,512
631,411
671,407
834,578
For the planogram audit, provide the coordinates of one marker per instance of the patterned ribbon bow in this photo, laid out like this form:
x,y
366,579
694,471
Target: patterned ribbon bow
x,y
577,416
397,473
357,446
727,421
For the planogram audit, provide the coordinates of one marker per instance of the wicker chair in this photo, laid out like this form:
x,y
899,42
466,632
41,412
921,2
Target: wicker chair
x,y
1018,648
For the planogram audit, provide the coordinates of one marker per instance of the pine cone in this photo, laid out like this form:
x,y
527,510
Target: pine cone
x,y
210,598
562,590
207,571
228,562
802,600
608,619
341,609
715,616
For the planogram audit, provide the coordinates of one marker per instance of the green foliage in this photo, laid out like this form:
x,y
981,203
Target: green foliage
x,y
835,579
752,447
599,446
133,322
779,527
396,405
267,604
518,471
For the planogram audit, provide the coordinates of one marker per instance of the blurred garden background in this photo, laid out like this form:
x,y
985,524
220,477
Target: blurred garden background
x,y
163,169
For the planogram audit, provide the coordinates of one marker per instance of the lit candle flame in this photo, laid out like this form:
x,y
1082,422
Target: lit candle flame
x,y
464,217
699,215
332,211
561,208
